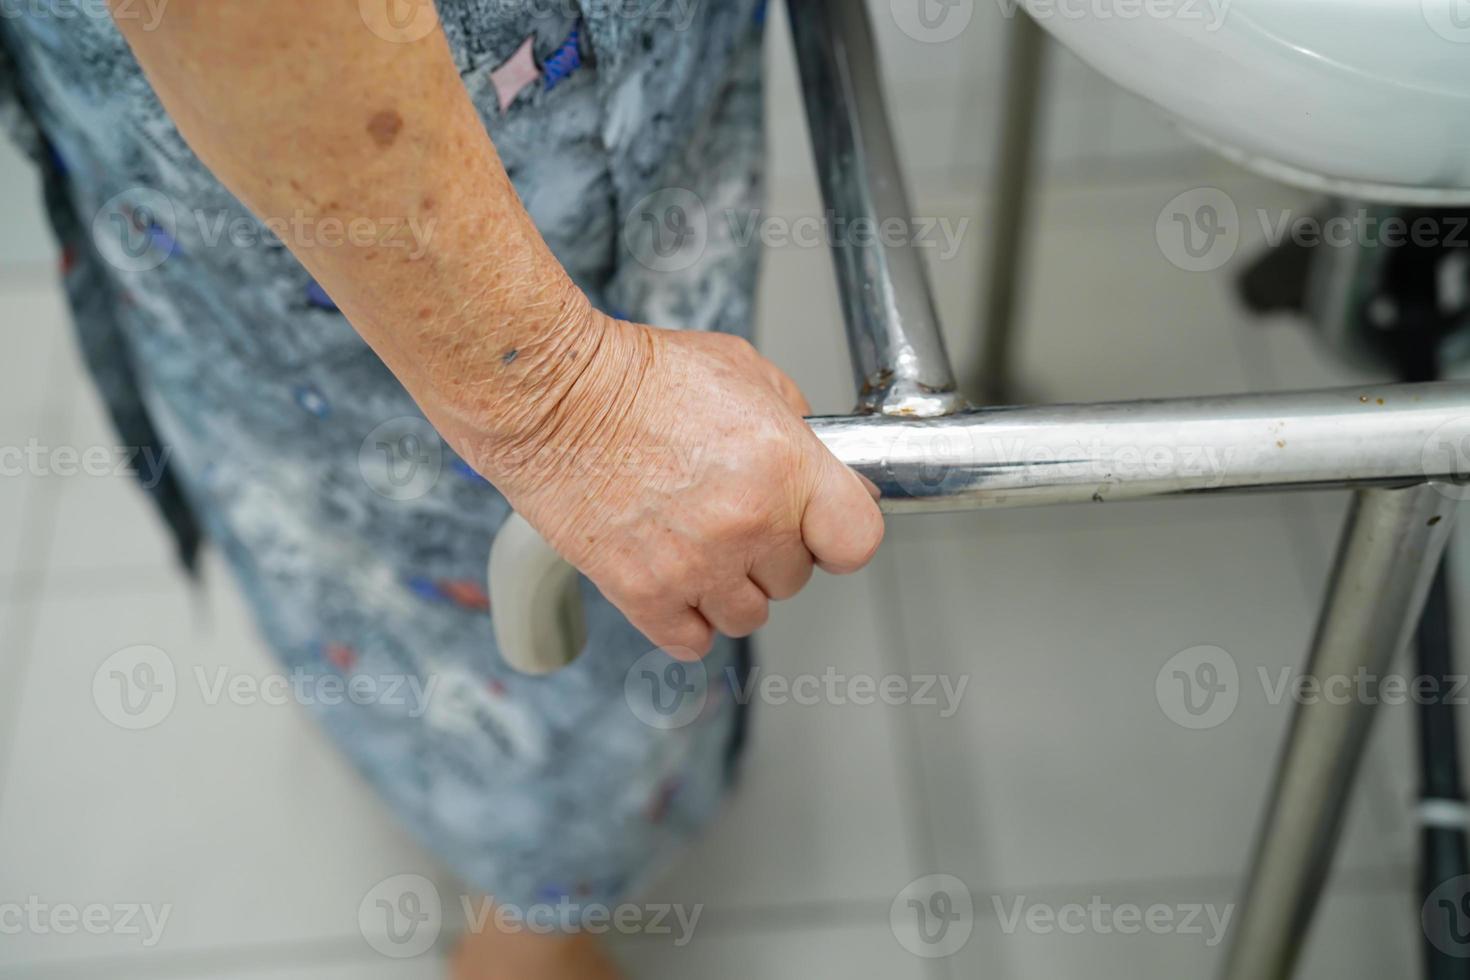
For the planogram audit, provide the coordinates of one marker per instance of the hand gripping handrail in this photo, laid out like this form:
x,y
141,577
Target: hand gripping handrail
x,y
1383,436
1405,449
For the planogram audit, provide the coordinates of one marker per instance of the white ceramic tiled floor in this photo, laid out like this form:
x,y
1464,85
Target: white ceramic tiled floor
x,y
1059,779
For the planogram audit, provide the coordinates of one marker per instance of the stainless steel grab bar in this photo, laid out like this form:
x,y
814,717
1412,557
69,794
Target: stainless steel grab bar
x,y
898,354
1405,449
1384,436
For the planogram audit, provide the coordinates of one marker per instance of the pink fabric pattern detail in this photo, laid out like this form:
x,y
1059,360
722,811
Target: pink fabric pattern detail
x,y
515,73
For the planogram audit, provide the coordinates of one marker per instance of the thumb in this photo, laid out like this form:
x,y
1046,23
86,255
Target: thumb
x,y
842,526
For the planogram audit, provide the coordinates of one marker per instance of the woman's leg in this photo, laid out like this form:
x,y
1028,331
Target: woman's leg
x,y
489,954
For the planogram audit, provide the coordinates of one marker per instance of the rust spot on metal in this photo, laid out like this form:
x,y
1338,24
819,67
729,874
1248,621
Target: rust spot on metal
x,y
877,382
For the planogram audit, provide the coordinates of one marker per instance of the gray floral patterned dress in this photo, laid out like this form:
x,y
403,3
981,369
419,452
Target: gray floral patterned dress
x,y
359,538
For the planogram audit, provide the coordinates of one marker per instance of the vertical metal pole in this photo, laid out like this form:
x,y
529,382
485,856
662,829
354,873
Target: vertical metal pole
x,y
898,354
1390,551
1010,199
1444,854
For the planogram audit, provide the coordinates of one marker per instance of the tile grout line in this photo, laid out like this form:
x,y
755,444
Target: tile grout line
x,y
329,950
41,510
741,919
918,822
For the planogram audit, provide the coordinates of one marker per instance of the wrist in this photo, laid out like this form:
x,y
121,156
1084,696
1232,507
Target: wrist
x,y
553,394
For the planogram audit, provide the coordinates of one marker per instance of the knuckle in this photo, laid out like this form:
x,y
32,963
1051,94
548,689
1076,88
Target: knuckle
x,y
700,640
747,614
672,569
639,587
734,520
791,587
738,345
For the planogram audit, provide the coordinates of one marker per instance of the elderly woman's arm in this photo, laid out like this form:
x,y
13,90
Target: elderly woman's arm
x,y
673,469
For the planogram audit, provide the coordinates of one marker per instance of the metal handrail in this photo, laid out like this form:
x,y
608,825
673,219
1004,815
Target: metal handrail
x,y
1385,436
1405,449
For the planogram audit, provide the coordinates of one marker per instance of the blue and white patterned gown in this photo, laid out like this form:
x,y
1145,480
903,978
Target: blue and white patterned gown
x,y
222,351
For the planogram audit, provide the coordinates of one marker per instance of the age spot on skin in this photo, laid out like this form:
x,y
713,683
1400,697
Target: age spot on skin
x,y
384,127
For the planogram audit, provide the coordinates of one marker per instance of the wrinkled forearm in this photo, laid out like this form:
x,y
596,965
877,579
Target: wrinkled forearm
x,y
308,116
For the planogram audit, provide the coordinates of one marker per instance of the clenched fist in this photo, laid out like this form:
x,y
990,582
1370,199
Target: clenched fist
x,y
675,470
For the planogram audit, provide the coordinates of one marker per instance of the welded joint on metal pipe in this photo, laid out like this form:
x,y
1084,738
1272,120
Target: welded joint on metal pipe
x,y
898,354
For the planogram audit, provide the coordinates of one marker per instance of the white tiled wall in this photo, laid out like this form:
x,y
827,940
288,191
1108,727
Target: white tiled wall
x,y
946,101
